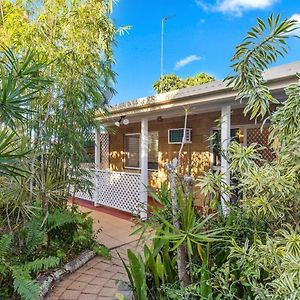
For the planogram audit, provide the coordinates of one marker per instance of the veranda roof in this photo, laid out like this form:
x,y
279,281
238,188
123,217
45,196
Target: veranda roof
x,y
206,96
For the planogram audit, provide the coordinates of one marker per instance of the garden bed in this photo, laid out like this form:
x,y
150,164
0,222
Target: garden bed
x,y
48,279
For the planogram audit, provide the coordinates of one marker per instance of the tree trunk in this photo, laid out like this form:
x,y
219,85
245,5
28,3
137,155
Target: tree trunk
x,y
182,261
181,251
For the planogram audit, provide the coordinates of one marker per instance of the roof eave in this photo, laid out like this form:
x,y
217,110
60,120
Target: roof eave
x,y
205,93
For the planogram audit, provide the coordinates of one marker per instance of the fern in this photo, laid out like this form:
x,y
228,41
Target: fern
x,y
5,243
24,285
42,264
35,235
20,275
58,219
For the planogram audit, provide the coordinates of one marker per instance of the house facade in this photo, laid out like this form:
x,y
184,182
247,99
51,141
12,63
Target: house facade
x,y
143,135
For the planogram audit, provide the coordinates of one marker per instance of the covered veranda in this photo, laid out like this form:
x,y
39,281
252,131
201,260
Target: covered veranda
x,y
126,190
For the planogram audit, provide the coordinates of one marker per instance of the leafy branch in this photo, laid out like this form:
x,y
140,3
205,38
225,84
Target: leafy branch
x,y
262,46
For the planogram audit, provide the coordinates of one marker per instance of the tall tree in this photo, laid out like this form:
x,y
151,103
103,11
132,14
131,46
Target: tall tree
x,y
75,38
171,82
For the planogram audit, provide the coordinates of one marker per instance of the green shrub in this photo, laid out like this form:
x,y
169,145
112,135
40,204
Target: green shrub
x,y
252,252
44,243
102,251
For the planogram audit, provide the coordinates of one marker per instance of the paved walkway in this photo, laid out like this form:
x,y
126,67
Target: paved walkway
x,y
100,278
115,231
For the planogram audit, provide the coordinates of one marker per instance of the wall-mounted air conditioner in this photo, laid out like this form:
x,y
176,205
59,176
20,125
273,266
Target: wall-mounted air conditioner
x,y
175,135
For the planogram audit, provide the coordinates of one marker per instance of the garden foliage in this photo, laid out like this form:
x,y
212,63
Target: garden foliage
x,y
253,252
55,73
171,82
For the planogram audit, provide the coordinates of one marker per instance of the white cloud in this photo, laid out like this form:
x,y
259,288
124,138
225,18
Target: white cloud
x,y
187,60
205,6
235,7
297,18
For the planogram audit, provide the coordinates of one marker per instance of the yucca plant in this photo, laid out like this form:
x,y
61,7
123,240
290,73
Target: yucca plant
x,y
20,84
10,154
194,230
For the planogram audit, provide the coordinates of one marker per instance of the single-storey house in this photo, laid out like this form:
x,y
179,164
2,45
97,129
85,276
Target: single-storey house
x,y
143,134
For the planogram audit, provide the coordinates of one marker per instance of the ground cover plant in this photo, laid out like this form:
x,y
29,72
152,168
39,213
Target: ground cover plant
x,y
252,251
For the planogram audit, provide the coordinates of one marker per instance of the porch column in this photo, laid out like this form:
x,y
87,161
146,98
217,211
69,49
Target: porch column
x,y
144,166
97,165
225,140
97,149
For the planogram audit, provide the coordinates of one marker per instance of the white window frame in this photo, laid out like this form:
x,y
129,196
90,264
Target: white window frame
x,y
178,143
136,168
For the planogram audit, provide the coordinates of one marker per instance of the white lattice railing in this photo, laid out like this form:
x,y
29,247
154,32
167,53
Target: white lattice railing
x,y
120,190
85,194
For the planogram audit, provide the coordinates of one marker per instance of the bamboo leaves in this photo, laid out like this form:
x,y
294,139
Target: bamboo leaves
x,y
20,84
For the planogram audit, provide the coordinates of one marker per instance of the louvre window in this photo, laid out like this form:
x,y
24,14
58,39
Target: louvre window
x,y
153,151
132,151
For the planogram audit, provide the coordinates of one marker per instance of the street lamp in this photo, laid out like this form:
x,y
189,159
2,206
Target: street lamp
x,y
163,21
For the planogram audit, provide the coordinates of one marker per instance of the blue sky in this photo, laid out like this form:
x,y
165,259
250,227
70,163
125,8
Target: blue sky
x,y
202,32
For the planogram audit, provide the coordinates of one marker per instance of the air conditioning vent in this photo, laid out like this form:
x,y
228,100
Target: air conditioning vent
x,y
175,135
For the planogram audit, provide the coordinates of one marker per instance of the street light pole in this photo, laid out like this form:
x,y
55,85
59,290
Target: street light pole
x,y
163,22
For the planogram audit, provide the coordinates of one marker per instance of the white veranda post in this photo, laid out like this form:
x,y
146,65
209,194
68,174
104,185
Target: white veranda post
x,y
97,163
144,166
97,149
225,140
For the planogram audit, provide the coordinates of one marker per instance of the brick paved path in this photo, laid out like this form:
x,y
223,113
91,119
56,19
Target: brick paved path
x,y
99,279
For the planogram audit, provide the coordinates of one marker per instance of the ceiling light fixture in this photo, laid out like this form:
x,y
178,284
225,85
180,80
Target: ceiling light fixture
x,y
123,121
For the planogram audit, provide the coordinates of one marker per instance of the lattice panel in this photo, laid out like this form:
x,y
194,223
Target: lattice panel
x,y
104,144
84,194
87,165
118,189
90,137
114,189
260,137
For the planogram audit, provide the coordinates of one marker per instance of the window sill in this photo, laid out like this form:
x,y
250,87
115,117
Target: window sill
x,y
138,169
